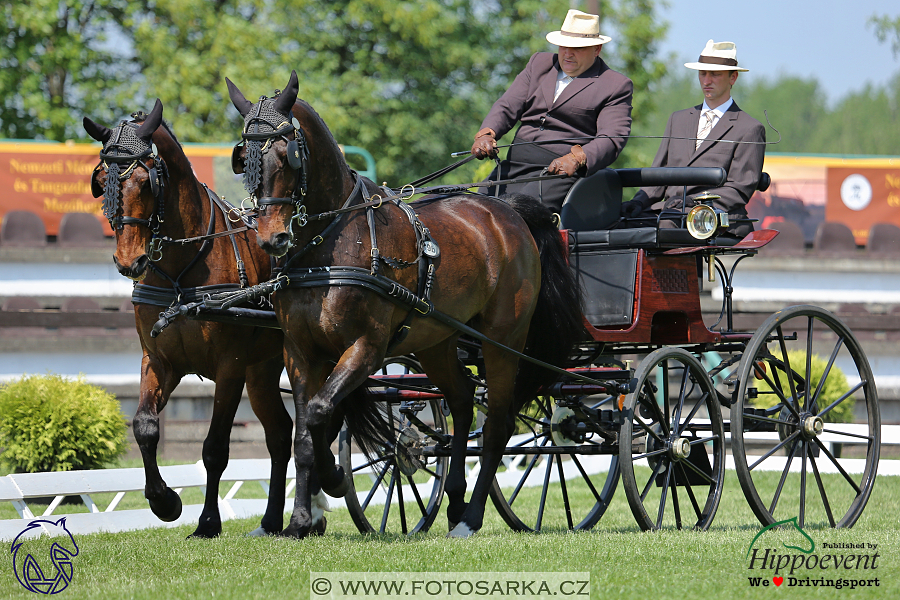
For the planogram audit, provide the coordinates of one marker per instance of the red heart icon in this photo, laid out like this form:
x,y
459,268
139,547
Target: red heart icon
x,y
778,580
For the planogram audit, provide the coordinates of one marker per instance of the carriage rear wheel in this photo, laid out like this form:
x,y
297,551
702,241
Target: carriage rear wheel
x,y
671,445
538,489
805,423
399,490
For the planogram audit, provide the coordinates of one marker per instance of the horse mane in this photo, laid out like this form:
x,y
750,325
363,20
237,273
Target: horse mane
x,y
329,137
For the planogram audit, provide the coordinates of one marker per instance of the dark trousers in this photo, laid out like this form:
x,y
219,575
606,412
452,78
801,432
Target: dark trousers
x,y
528,161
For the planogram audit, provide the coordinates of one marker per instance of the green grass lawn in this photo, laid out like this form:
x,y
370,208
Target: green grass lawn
x,y
623,561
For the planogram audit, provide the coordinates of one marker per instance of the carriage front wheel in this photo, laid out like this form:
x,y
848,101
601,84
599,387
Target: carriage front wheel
x,y
671,444
399,490
805,424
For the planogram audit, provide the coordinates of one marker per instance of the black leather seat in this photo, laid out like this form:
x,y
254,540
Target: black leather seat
x,y
593,202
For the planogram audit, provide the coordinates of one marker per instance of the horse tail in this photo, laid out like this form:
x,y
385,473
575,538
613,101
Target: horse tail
x,y
368,423
557,324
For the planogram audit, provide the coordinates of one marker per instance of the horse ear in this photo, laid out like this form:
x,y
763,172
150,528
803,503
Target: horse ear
x,y
237,98
151,123
97,131
285,101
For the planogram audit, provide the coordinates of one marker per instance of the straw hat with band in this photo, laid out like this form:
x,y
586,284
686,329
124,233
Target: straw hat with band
x,y
579,30
717,56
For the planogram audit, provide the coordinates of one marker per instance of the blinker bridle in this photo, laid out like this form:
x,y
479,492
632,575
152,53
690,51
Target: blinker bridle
x,y
264,125
125,149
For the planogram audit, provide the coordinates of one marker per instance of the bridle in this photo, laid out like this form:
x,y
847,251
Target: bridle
x,y
264,125
121,155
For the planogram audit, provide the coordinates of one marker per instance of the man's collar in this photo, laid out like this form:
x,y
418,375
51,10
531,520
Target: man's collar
x,y
720,109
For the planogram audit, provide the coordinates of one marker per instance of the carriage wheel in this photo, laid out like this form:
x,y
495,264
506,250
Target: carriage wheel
x,y
397,491
555,478
671,446
791,456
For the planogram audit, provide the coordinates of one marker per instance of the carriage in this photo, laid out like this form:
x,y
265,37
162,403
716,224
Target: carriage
x,y
665,420
640,397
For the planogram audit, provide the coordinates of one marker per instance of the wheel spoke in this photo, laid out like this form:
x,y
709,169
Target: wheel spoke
x,y
842,398
804,448
650,481
784,475
789,372
515,493
649,454
375,485
838,465
837,348
540,515
775,449
565,493
373,461
675,501
776,388
702,401
815,469
387,502
586,478
676,418
415,491
848,434
654,407
808,376
403,526
694,468
690,493
663,496
649,431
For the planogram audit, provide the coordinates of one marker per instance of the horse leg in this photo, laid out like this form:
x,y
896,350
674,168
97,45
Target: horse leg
x,y
357,362
215,451
447,373
501,369
265,398
301,522
157,383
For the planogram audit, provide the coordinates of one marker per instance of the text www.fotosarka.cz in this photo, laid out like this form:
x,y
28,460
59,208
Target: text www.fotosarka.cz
x,y
449,585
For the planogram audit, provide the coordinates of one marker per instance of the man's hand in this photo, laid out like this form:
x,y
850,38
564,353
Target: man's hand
x,y
569,163
485,145
632,209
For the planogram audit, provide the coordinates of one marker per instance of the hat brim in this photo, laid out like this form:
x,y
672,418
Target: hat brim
x,y
699,66
558,39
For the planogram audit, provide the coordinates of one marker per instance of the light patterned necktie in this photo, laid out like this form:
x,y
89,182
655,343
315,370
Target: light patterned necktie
x,y
706,128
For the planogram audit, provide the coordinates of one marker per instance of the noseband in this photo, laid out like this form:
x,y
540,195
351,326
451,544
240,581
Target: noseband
x,y
262,126
122,154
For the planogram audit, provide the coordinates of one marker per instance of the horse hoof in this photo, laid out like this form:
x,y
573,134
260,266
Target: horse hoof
x,y
451,525
294,531
339,484
260,532
168,508
461,531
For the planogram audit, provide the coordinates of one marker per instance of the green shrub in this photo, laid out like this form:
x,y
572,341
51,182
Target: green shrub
x,y
48,423
835,386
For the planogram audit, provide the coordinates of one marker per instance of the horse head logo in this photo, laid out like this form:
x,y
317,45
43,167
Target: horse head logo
x,y
787,524
46,579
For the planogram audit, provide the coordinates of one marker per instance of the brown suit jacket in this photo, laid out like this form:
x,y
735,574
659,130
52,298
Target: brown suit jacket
x,y
597,102
743,162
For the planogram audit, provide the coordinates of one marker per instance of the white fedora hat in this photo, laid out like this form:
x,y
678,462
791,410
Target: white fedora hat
x,y
717,56
578,31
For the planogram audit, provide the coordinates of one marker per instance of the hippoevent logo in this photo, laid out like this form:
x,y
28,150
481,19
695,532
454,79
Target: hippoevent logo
x,y
798,564
37,572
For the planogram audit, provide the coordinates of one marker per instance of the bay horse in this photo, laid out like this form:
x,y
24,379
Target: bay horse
x,y
152,195
497,266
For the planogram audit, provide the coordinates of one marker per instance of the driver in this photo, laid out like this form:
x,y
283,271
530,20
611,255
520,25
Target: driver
x,y
568,94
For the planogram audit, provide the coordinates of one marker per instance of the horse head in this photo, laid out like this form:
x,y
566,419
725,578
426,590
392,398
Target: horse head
x,y
131,178
290,162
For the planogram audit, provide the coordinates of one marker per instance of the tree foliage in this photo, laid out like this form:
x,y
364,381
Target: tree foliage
x,y
409,80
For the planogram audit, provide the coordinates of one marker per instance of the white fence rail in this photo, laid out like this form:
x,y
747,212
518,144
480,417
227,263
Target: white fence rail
x,y
19,489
